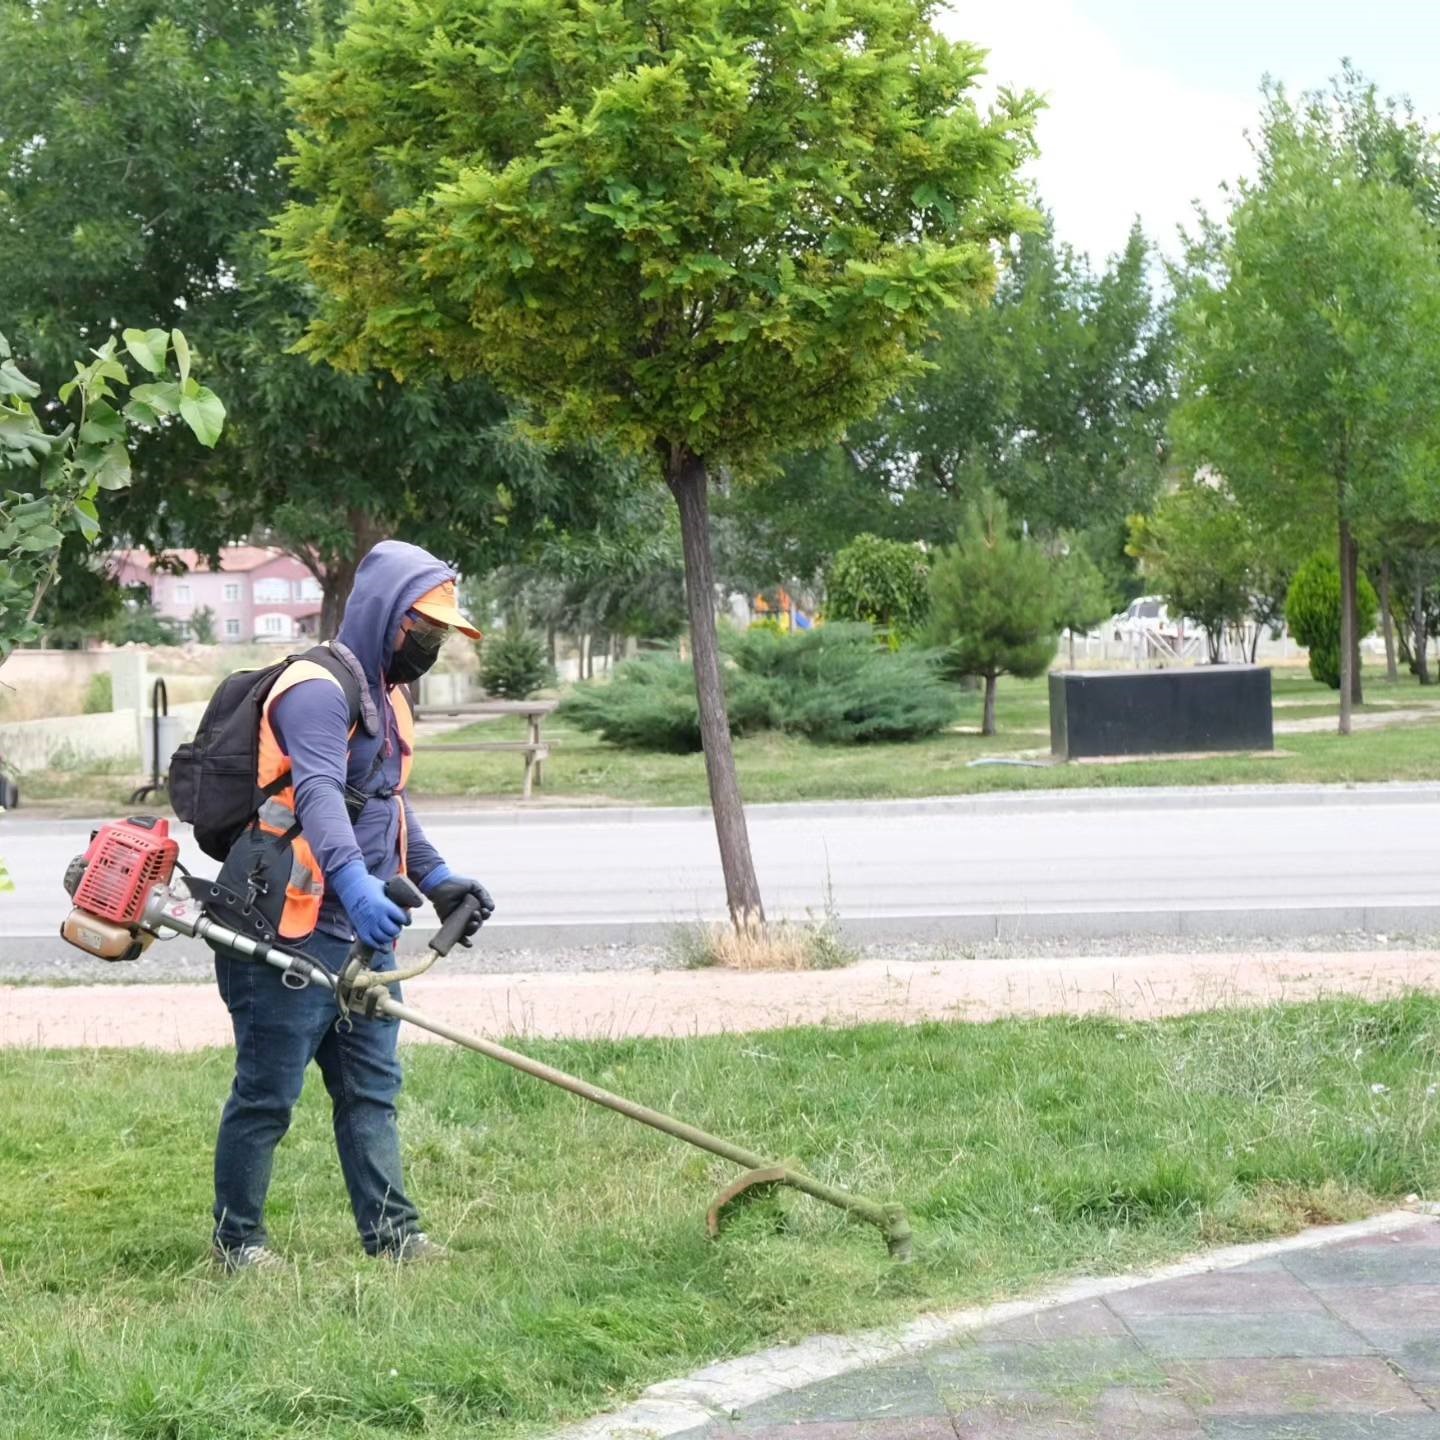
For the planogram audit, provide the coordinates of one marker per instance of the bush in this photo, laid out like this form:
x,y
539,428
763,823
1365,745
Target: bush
x,y
100,694
650,704
514,664
832,684
1312,609
879,582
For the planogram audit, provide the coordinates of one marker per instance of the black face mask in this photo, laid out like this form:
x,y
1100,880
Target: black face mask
x,y
417,653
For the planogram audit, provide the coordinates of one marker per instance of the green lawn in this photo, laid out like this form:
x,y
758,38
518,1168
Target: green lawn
x,y
1025,1151
774,767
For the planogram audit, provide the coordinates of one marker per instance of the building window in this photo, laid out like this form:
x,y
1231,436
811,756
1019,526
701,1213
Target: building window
x,y
275,625
310,590
272,591
232,629
182,593
232,591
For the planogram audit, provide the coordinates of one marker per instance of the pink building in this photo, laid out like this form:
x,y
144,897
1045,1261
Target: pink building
x,y
258,593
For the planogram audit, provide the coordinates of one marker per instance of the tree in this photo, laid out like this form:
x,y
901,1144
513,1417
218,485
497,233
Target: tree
x,y
162,130
1316,616
68,449
880,582
708,231
1196,549
202,626
1082,596
992,602
1310,345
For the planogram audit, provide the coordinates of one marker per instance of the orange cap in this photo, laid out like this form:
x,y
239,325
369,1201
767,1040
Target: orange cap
x,y
439,605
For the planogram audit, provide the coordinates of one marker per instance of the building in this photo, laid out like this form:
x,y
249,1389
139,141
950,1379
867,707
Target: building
x,y
258,593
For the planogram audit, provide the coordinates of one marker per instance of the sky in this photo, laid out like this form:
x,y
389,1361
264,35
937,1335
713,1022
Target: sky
x,y
1149,100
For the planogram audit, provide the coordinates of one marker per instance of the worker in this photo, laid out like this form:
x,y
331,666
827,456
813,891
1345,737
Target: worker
x,y
350,826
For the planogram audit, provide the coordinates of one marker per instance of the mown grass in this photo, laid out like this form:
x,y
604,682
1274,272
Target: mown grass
x,y
780,768
1025,1150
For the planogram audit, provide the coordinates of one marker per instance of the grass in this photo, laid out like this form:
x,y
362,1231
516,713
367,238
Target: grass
x,y
780,768
1025,1151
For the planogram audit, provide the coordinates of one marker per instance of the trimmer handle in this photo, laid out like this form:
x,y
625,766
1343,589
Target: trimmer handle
x,y
405,893
451,932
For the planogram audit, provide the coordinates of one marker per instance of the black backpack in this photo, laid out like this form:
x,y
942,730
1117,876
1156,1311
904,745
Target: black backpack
x,y
213,779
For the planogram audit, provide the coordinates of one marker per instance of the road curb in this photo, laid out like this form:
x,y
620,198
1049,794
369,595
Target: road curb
x,y
999,802
714,1393
1244,924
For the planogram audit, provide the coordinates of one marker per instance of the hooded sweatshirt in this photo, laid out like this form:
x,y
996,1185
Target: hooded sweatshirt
x,y
311,722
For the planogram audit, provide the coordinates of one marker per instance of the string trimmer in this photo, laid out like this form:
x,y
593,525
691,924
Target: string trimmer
x,y
127,895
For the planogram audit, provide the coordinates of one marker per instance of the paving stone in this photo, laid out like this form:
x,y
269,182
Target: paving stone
x,y
1072,1372
1324,1427
1086,1319
912,1429
1363,1385
1204,1337
885,1392
1416,1355
1403,1259
1130,1414
1223,1292
1426,1233
1393,1307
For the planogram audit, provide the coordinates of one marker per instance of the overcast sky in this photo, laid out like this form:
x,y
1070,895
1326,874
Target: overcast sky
x,y
1149,99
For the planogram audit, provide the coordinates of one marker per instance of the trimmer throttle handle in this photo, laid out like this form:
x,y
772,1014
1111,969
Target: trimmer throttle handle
x,y
405,893
453,930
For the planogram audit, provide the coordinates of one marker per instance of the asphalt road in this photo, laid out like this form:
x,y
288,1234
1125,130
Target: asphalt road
x,y
1260,860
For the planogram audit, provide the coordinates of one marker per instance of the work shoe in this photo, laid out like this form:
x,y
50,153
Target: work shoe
x,y
232,1259
412,1249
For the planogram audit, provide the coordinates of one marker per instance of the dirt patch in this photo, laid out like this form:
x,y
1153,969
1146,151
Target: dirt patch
x,y
681,1003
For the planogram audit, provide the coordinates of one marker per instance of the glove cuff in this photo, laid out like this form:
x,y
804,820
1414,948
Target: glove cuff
x,y
436,878
345,880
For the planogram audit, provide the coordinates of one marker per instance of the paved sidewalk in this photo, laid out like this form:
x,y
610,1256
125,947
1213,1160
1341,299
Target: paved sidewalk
x,y
1333,1342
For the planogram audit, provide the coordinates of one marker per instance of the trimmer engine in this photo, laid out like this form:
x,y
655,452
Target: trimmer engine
x,y
112,883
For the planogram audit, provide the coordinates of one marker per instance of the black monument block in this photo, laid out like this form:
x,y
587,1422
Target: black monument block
x,y
1149,712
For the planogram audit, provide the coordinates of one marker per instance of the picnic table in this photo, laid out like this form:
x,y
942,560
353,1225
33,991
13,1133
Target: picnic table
x,y
535,749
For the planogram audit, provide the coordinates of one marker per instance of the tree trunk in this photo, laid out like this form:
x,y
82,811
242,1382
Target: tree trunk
x,y
689,483
1387,621
339,577
1422,640
1347,627
1071,633
1356,692
987,725
550,644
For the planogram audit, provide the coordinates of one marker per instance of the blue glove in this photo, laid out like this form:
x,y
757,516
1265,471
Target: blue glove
x,y
377,919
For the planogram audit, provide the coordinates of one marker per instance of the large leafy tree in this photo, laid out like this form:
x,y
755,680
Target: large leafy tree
x,y
139,166
1055,396
1310,344
708,230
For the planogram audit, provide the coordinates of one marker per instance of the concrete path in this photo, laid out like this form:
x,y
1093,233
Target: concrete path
x,y
701,1002
1244,860
1330,1336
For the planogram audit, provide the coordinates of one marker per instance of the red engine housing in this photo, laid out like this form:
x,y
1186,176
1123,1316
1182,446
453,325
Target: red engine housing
x,y
126,860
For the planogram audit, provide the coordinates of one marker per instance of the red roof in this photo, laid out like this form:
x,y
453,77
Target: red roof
x,y
234,559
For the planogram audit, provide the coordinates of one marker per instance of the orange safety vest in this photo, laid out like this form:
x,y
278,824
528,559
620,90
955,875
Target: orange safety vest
x,y
305,888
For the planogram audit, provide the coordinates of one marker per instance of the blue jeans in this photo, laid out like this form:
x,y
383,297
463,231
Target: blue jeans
x,y
278,1032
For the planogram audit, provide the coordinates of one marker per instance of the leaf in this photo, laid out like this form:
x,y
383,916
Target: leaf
x,y
182,354
102,425
140,412
12,382
87,520
113,471
148,347
204,413
163,398
41,537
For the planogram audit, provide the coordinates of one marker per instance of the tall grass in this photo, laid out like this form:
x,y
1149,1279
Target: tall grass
x,y
1025,1150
